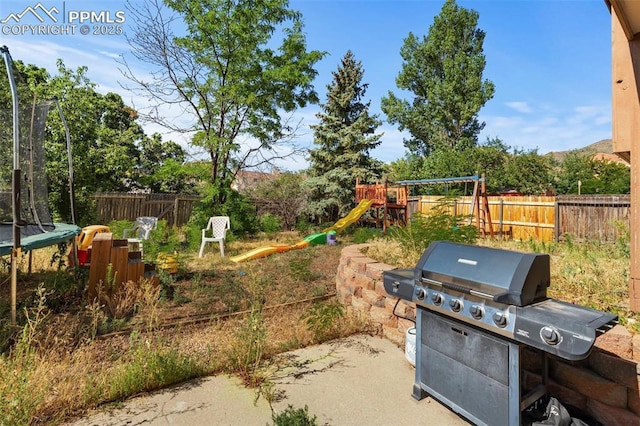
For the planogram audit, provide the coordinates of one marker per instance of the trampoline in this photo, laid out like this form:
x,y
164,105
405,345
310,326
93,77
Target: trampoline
x,y
32,237
25,219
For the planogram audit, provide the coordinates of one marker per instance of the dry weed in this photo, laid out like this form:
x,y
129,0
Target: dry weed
x,y
391,252
73,369
592,274
122,301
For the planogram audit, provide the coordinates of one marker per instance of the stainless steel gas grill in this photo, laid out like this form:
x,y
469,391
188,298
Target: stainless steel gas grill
x,y
477,307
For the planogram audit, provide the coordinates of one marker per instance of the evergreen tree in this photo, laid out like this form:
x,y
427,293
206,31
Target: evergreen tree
x,y
344,138
444,72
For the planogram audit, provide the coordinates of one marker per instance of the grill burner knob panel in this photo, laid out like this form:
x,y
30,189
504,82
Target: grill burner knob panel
x,y
437,299
500,318
420,293
455,305
476,311
550,335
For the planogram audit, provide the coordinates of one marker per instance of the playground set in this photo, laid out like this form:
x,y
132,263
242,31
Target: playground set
x,y
388,203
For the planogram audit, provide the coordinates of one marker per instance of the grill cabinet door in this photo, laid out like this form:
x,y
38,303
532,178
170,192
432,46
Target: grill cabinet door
x,y
465,368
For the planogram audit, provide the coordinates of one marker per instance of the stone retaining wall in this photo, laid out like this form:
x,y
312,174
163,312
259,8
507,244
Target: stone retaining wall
x,y
605,385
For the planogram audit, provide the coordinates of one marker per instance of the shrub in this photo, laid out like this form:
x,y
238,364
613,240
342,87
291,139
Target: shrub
x,y
270,223
250,341
324,320
303,226
247,352
438,225
294,417
117,227
150,368
362,235
241,212
163,239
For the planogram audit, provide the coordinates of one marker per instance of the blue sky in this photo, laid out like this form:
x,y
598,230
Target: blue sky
x,y
550,61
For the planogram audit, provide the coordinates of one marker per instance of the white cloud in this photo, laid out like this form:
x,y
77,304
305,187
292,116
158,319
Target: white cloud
x,y
556,129
112,55
546,125
522,107
101,65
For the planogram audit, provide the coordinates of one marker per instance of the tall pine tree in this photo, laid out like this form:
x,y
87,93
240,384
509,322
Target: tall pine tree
x,y
344,138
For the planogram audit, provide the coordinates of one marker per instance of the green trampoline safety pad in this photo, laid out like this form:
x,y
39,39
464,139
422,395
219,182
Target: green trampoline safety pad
x,y
61,232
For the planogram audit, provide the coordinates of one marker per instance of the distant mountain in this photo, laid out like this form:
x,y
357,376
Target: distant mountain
x,y
604,146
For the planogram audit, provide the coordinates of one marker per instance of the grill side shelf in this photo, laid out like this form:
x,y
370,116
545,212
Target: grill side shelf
x,y
399,283
565,330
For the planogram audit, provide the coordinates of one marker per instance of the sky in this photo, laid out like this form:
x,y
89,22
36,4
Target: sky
x,y
550,60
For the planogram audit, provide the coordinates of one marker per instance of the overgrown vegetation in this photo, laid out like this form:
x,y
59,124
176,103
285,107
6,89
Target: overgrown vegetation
x,y
59,362
406,243
323,320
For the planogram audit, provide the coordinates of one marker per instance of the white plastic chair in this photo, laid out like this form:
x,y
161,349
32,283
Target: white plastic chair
x,y
141,229
217,229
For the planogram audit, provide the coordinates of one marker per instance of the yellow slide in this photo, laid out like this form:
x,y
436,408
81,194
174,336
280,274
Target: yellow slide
x,y
267,251
353,215
260,252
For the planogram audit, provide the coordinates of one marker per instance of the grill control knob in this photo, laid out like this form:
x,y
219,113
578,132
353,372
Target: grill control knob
x,y
455,305
550,335
437,299
420,293
500,318
476,311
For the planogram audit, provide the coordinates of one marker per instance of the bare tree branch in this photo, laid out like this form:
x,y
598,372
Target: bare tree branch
x,y
220,82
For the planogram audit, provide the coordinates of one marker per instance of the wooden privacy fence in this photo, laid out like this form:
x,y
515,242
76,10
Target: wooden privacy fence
x,y
175,209
544,218
596,217
540,218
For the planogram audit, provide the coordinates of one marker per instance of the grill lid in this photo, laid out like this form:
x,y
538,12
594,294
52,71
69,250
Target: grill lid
x,y
504,276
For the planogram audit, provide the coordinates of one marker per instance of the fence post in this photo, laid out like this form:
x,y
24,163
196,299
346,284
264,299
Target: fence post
x,y
176,204
556,225
500,216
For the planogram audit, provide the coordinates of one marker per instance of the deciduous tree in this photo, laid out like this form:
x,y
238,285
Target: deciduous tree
x,y
443,71
284,197
104,133
238,67
594,176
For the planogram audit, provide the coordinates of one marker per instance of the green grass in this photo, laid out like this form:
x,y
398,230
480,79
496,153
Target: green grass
x,y
149,368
